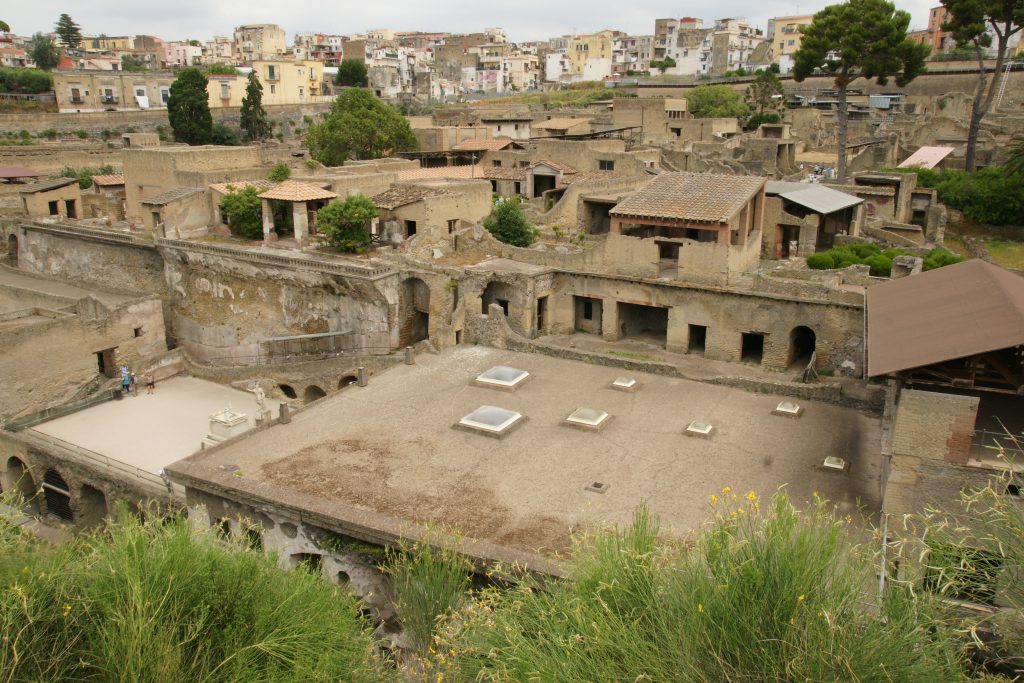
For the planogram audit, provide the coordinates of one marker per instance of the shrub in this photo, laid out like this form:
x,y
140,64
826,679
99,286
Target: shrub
x,y
507,222
937,258
989,195
279,172
222,135
82,175
82,134
881,266
863,250
822,261
242,211
49,134
344,223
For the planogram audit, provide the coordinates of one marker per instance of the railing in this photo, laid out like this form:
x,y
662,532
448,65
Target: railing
x,y
992,444
92,233
48,414
300,262
292,359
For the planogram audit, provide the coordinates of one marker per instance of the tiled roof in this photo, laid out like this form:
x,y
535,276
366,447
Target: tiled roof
x,y
112,179
297,191
703,197
498,173
564,168
47,185
404,194
18,172
479,145
171,196
440,172
560,124
577,178
235,185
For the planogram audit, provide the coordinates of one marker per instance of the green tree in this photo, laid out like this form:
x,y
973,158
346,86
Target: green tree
x,y
279,173
1014,164
359,126
765,95
344,223
242,211
132,63
858,39
507,222
352,73
255,125
222,135
70,33
716,101
5,27
663,64
219,69
972,24
188,108
43,51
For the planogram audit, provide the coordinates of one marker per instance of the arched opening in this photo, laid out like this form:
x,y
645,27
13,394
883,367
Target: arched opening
x,y
802,342
287,390
57,495
347,381
19,480
413,312
311,562
92,506
313,393
12,251
343,578
496,293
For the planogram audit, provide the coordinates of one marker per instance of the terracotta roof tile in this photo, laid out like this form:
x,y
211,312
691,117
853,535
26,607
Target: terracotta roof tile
x,y
704,197
401,195
483,145
172,196
112,179
297,191
47,185
235,185
499,173
457,172
564,168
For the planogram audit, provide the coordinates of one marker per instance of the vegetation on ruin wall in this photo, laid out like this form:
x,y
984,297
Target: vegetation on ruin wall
x,y
580,94
25,81
154,602
242,210
879,259
84,175
344,223
769,594
359,126
993,195
508,223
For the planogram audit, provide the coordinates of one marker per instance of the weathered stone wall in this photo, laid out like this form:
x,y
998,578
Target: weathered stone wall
x,y
54,157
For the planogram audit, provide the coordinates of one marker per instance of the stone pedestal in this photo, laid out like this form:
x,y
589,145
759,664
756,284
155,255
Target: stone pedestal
x,y
224,425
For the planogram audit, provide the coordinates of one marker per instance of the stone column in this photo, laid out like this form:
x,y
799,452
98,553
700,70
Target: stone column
x,y
615,226
268,222
610,320
301,222
677,337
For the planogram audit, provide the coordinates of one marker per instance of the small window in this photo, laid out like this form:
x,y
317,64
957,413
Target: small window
x,y
518,188
588,310
452,224
225,92
496,163
605,165
273,89
137,332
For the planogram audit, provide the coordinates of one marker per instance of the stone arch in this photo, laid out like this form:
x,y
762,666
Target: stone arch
x,y
92,506
18,479
413,311
802,344
347,381
12,250
288,390
313,393
57,495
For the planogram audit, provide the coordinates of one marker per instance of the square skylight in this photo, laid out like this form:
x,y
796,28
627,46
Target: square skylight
x,y
835,464
788,409
490,420
624,384
596,487
587,418
699,428
502,377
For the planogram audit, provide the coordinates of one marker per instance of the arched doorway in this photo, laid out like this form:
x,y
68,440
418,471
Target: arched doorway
x,y
18,479
802,343
287,390
92,506
413,312
496,293
313,393
57,495
12,251
347,381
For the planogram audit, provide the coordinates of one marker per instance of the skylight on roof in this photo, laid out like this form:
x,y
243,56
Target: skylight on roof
x,y
502,377
490,420
587,418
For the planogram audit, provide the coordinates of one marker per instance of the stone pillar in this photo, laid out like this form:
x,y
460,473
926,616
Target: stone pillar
x,y
677,338
268,222
301,222
610,320
615,227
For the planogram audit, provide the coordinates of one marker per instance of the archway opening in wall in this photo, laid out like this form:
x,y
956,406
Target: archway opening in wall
x,y
19,480
752,347
287,390
496,293
802,343
343,578
347,381
644,323
92,506
413,312
313,393
12,251
57,496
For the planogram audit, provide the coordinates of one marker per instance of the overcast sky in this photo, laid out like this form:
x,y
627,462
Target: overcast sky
x,y
522,20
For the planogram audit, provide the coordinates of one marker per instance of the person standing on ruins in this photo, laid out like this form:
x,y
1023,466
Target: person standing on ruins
x,y
150,383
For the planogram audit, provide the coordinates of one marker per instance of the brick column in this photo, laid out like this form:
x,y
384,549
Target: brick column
x,y
268,222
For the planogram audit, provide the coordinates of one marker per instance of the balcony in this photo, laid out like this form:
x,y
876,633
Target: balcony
x,y
108,99
77,100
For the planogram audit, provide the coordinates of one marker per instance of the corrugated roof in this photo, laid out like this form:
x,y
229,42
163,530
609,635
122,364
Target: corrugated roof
x,y
560,123
47,185
927,157
404,194
111,179
297,191
235,185
952,312
483,145
702,197
821,199
171,196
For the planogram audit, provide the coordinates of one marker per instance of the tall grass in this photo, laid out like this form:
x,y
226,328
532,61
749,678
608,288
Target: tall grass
x,y
153,602
761,595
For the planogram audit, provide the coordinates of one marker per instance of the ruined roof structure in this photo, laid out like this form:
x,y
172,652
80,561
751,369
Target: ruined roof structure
x,y
47,185
952,312
236,185
927,157
111,180
401,195
297,191
171,196
699,197
15,172
483,145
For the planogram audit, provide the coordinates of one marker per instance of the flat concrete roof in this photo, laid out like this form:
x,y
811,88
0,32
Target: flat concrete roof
x,y
152,431
388,454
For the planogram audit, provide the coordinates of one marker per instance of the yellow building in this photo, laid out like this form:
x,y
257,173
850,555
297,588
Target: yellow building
x,y
593,46
784,36
284,82
108,43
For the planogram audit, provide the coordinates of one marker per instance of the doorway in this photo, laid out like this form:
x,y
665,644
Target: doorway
x,y
752,347
644,323
697,339
105,362
12,251
542,313
802,342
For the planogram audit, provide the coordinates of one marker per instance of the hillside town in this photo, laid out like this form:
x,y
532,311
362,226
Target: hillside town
x,y
467,331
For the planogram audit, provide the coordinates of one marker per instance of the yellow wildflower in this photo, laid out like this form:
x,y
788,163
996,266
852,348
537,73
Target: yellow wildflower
x,y
801,598
67,610
751,496
713,498
700,607
726,490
